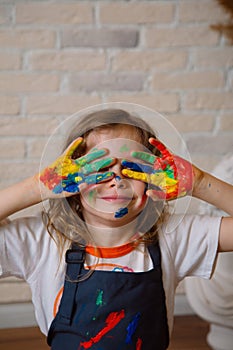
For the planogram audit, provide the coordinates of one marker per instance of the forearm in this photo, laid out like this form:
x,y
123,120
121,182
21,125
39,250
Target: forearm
x,y
214,191
19,196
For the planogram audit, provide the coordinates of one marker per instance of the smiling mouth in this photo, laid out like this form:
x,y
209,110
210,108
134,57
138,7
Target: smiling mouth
x,y
116,199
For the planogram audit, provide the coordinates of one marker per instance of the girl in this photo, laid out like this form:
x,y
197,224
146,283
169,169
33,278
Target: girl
x,y
106,274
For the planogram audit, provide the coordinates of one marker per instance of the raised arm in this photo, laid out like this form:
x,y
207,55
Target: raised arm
x,y
19,196
171,177
220,194
62,178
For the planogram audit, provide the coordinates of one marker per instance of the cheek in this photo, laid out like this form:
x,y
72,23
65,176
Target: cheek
x,y
88,196
91,195
140,189
143,201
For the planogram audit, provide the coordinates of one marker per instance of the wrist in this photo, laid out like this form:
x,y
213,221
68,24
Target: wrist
x,y
32,188
200,182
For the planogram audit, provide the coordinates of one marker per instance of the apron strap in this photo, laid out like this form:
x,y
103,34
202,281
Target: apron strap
x,y
75,258
155,254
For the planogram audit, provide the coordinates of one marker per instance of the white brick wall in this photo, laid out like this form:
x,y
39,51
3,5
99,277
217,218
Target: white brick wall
x,y
59,57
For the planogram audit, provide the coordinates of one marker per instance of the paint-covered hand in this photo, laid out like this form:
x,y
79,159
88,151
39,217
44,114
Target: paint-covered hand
x,y
170,176
67,174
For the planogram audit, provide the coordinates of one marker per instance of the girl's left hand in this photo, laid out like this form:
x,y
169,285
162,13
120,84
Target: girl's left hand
x,y
171,175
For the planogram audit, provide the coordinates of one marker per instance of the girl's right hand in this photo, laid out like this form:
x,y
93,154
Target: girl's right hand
x,y
66,175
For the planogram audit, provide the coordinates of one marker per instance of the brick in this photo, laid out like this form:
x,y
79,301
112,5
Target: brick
x,y
71,61
5,14
209,100
226,122
188,80
201,11
9,105
97,38
139,12
192,123
21,126
59,105
57,13
36,147
11,148
18,170
214,58
27,39
10,61
181,36
148,60
220,144
161,102
20,82
105,82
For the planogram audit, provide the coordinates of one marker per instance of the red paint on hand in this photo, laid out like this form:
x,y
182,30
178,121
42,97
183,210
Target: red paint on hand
x,y
182,171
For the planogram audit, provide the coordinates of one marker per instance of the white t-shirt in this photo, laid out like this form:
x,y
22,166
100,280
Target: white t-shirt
x,y
188,248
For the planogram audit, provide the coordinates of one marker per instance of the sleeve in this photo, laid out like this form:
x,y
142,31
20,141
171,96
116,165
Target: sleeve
x,y
192,243
21,246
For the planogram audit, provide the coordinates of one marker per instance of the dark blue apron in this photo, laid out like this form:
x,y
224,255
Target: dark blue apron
x,y
111,310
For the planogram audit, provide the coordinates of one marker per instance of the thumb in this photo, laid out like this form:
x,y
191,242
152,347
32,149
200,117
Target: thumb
x,y
156,195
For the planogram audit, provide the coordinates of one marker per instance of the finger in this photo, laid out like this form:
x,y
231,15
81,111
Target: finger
x,y
161,179
71,188
156,195
147,157
99,177
71,182
136,175
98,165
161,195
167,158
138,167
72,147
166,193
160,146
90,157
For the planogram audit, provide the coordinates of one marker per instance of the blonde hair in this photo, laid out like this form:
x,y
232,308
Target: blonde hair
x,y
64,218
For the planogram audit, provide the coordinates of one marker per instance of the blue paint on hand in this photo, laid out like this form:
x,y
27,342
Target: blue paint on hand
x,y
142,168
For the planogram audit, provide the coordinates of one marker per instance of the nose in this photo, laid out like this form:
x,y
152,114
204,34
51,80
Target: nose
x,y
118,180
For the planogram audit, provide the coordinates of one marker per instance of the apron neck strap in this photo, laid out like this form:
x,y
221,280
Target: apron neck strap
x,y
74,258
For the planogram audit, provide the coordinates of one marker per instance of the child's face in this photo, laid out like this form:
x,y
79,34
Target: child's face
x,y
118,201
